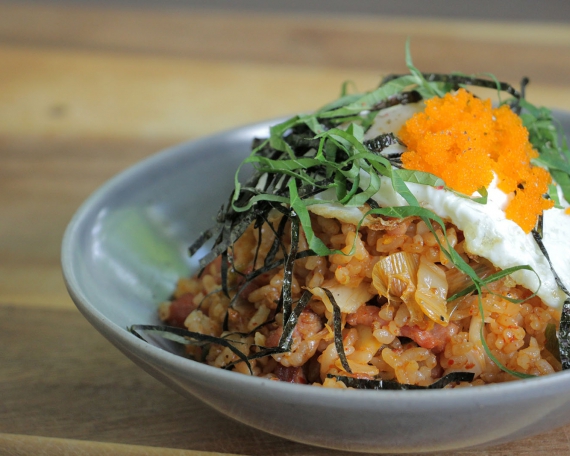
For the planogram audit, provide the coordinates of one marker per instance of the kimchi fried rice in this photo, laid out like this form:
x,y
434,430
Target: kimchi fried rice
x,y
381,338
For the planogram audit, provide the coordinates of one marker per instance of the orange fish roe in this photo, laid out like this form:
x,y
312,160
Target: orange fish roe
x,y
464,140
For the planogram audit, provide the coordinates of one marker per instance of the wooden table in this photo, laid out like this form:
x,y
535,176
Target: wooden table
x,y
86,93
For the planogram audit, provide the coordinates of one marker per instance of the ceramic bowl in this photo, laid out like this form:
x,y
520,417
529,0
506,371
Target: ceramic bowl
x,y
127,245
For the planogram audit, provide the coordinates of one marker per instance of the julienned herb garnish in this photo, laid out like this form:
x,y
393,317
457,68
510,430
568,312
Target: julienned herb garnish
x,y
309,154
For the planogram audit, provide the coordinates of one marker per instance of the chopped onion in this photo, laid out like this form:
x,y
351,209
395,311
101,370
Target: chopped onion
x,y
394,276
431,292
349,299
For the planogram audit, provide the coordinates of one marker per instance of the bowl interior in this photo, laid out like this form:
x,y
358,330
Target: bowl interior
x,y
128,244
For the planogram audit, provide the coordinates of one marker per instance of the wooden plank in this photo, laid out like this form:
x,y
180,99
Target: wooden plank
x,y
75,93
61,379
372,43
46,446
92,93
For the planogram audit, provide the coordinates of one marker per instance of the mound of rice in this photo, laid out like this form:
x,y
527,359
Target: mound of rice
x,y
388,290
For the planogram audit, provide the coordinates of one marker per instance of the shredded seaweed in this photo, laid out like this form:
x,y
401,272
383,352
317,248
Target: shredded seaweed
x,y
290,323
286,339
277,242
380,142
564,335
538,239
183,336
404,98
378,384
285,300
337,325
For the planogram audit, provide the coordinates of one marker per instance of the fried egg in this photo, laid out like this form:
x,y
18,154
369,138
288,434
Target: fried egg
x,y
488,233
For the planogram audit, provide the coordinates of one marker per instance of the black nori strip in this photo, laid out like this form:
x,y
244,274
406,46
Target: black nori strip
x,y
363,383
381,142
193,338
564,331
204,237
305,254
515,105
373,204
301,143
564,335
539,228
208,234
224,273
287,336
337,326
258,246
403,98
286,297
280,208
226,322
538,240
259,221
524,83
277,241
393,155
226,232
266,268
289,325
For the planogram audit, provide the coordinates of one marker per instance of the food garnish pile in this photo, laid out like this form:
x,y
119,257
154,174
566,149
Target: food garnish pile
x,y
414,236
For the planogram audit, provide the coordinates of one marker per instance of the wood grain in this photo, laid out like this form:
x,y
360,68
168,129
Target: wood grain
x,y
92,93
12,444
353,42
